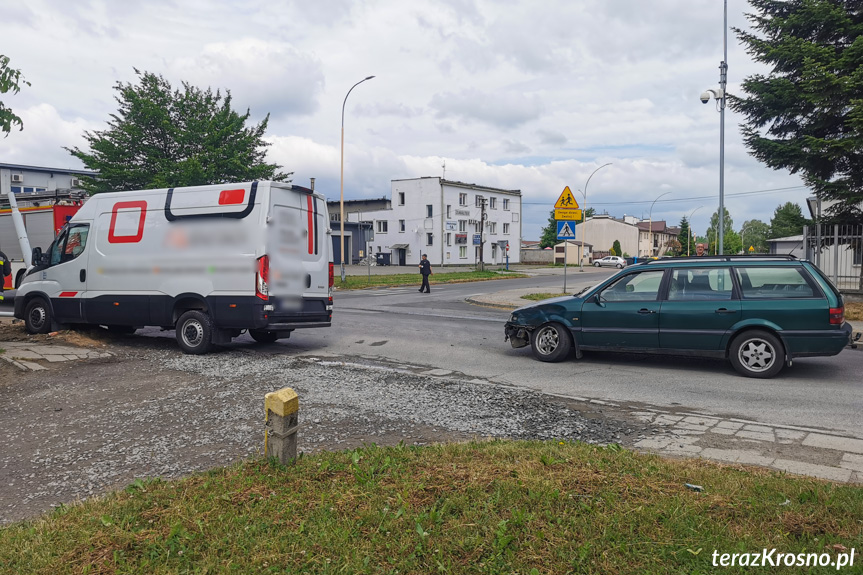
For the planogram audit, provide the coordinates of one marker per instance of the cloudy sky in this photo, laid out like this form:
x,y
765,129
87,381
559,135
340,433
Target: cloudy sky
x,y
514,94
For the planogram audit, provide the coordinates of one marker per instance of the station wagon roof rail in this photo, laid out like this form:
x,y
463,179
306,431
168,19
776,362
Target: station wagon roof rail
x,y
728,258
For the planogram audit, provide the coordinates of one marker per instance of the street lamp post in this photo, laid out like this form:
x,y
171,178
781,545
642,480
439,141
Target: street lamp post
x,y
720,96
342,179
689,235
584,218
650,225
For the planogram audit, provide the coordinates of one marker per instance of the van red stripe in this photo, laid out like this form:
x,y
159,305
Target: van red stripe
x,y
311,225
68,293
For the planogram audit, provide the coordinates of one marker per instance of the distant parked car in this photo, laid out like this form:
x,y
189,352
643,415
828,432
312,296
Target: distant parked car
x,y
611,262
759,312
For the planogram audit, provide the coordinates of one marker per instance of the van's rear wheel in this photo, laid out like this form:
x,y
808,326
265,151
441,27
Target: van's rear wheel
x,y
37,316
195,332
263,336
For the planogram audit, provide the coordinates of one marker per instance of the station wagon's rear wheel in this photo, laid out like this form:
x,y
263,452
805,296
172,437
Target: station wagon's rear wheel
x,y
550,342
195,332
757,354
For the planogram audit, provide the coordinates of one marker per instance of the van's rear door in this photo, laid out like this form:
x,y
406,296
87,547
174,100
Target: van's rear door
x,y
299,254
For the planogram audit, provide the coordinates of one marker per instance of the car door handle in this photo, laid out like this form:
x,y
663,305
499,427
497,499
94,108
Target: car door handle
x,y
644,311
723,310
83,275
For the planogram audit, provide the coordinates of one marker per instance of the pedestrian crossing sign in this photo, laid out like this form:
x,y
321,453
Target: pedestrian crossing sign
x,y
566,230
566,200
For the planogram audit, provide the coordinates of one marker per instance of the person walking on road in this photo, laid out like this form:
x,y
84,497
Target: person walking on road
x,y
425,270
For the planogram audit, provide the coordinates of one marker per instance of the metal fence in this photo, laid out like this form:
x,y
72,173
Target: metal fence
x,y
838,250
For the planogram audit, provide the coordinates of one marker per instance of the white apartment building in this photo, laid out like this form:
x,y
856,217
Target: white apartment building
x,y
443,219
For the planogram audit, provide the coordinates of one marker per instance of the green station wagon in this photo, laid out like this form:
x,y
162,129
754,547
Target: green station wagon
x,y
759,312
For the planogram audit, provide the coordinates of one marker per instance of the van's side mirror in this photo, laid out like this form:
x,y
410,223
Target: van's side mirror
x,y
36,258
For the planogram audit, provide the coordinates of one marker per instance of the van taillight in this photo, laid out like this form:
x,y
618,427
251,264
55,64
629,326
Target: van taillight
x,y
837,315
262,278
332,276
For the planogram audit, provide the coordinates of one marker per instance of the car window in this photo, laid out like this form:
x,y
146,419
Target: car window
x,y
693,284
774,282
69,244
640,286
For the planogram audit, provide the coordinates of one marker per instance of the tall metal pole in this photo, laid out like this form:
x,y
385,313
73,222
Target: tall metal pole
x,y
584,217
342,179
689,235
723,76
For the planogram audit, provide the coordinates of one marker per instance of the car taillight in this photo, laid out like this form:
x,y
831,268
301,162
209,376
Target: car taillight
x,y
332,276
837,315
262,278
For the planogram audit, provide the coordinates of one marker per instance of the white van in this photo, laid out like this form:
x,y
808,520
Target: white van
x,y
209,261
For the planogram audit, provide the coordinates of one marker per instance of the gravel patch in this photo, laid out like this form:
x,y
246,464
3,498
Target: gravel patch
x,y
83,428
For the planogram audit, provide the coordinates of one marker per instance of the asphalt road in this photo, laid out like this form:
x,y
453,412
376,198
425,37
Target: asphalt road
x,y
441,330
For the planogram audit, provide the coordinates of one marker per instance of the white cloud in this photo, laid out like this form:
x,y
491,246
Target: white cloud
x,y
513,94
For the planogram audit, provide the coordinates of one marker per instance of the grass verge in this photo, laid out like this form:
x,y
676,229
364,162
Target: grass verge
x,y
360,282
483,507
542,296
854,310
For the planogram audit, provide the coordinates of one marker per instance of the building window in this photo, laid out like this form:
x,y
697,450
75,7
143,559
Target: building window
x,y
401,198
505,229
493,251
335,217
449,239
429,239
462,225
448,211
492,203
492,227
477,227
506,203
478,202
382,226
462,199
462,252
401,225
429,211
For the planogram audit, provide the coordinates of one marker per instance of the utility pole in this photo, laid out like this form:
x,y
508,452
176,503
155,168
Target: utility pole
x,y
481,234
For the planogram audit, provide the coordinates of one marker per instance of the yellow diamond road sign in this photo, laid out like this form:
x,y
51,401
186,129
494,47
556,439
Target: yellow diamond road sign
x,y
566,201
567,214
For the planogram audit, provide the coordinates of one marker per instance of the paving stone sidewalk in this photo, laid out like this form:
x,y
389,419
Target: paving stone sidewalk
x,y
27,356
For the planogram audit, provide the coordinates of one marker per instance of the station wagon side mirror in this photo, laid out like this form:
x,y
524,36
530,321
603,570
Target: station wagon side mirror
x,y
597,299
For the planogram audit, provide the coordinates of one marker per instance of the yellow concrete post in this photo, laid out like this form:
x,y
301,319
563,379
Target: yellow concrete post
x,y
282,410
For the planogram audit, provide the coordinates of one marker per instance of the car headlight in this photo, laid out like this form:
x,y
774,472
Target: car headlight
x,y
512,318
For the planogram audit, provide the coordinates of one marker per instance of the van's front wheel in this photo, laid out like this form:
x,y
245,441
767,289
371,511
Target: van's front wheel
x,y
37,316
195,332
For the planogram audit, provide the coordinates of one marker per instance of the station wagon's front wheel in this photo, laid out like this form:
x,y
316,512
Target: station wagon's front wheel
x,y
757,354
550,342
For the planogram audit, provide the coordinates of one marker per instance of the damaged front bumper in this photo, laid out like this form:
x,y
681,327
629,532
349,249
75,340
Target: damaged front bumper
x,y
518,335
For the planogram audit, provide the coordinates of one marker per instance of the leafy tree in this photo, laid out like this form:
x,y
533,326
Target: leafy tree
x,y
616,249
728,244
787,221
754,234
685,241
10,81
548,237
162,137
806,115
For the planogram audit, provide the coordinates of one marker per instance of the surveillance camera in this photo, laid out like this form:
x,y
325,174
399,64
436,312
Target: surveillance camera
x,y
706,96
